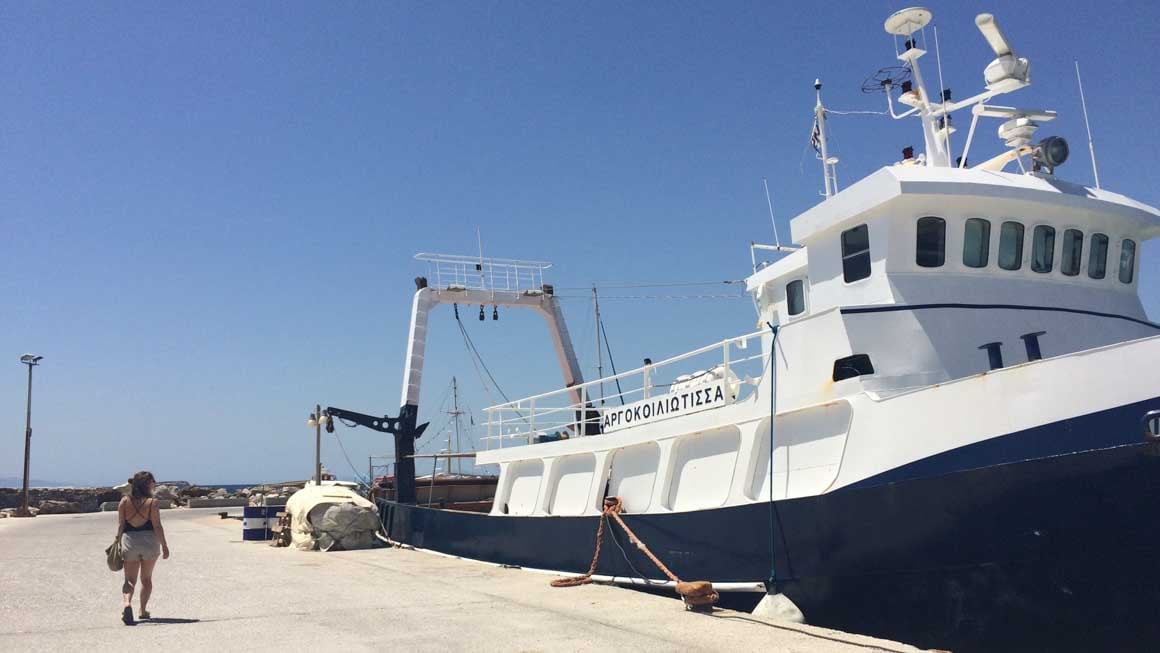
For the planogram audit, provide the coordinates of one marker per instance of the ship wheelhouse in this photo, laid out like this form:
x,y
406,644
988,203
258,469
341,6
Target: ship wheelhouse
x,y
920,275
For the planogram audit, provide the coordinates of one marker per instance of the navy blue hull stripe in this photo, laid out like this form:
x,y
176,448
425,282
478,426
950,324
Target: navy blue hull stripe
x,y
890,308
1101,430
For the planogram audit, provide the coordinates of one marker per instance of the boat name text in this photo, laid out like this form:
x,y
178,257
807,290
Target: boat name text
x,y
670,405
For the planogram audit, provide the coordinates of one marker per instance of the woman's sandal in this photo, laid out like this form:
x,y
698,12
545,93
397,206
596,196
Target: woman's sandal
x,y
127,616
145,615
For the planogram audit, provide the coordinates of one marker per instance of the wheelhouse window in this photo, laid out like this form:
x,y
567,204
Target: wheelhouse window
x,y
930,245
976,243
1043,249
1098,257
856,253
1127,260
1069,258
1011,246
795,296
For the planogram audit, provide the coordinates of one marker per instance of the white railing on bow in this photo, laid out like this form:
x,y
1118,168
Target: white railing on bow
x,y
737,364
452,271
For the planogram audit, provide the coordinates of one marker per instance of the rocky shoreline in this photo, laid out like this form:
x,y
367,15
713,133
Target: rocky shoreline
x,y
66,500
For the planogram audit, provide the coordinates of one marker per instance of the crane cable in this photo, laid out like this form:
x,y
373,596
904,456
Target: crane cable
x,y
475,356
619,391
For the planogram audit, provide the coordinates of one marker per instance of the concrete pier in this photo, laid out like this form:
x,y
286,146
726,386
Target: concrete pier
x,y
218,593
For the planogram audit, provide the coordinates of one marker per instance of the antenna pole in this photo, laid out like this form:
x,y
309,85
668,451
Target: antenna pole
x,y
769,203
936,153
946,118
599,351
1091,144
820,134
455,413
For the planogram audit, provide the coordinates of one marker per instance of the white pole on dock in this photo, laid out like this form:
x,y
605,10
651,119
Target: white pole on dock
x,y
315,422
318,444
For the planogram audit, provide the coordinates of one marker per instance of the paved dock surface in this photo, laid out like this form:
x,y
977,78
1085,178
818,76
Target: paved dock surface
x,y
219,593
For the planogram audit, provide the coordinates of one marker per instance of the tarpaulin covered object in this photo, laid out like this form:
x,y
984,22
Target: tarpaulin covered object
x,y
346,527
308,508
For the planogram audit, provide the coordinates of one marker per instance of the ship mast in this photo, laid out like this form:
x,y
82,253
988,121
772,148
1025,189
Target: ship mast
x,y
1006,73
599,351
454,413
820,140
906,24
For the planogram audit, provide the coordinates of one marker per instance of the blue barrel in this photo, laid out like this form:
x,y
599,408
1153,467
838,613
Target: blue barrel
x,y
258,522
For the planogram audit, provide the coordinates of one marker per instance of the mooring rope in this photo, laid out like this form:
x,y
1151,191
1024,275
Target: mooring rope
x,y
697,595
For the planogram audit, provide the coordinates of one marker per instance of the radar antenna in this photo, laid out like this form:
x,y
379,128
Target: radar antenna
x,y
990,29
886,78
1006,73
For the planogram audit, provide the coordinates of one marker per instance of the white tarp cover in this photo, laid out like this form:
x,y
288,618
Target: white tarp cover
x,y
307,506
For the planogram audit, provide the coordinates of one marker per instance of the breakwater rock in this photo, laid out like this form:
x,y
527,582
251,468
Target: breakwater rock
x,y
60,499
64,500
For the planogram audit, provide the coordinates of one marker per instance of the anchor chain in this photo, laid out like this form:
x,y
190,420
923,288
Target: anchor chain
x,y
697,595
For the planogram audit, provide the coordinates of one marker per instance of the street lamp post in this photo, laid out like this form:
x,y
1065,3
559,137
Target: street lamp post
x,y
317,420
31,360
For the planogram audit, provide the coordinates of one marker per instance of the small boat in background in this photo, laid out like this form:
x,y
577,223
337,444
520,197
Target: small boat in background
x,y
469,492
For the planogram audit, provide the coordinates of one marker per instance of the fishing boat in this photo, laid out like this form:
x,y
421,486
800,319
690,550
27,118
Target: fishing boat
x,y
943,426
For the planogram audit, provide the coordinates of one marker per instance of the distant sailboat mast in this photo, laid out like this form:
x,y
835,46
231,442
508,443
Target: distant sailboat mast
x,y
454,413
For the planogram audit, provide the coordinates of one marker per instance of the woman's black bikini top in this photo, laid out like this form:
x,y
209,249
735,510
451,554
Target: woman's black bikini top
x,y
147,526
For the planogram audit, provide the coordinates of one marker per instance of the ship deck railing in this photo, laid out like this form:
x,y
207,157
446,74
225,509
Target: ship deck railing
x,y
737,364
451,271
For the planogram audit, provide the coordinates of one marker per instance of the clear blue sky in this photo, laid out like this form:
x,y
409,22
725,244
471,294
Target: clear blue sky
x,y
209,210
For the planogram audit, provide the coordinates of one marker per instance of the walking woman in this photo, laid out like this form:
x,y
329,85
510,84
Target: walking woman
x,y
142,540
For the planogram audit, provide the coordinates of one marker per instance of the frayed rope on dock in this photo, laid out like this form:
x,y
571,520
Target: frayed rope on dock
x,y
697,595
